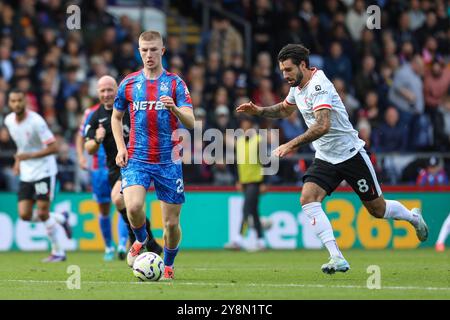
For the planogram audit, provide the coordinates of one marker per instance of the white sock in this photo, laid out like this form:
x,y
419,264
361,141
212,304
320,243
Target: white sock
x,y
53,230
333,248
322,227
59,217
395,210
445,229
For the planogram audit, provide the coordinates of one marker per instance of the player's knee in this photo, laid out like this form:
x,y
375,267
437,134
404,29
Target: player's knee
x,y
117,199
376,211
134,208
308,198
171,224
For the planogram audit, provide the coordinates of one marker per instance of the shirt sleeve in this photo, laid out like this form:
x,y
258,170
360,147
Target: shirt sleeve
x,y
91,126
290,99
182,95
120,102
84,122
45,135
320,96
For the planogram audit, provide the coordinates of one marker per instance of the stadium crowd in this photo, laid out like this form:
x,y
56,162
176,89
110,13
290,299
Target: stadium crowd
x,y
394,80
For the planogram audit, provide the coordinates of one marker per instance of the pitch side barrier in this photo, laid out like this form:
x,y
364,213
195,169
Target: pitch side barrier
x,y
211,217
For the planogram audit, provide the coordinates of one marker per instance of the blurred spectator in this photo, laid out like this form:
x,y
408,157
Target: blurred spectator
x,y
406,52
337,65
406,92
350,102
384,85
416,15
222,118
291,127
367,79
371,110
436,85
264,95
6,65
66,169
430,28
368,45
391,135
294,33
24,84
70,86
432,175
174,47
8,181
263,21
222,174
213,73
331,10
403,33
430,51
356,19
4,110
442,126
225,40
365,132
69,118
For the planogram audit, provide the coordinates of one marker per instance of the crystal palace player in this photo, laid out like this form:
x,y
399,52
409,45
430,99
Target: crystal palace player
x,y
98,132
156,100
36,163
340,154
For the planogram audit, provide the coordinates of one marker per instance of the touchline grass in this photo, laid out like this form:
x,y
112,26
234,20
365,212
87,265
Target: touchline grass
x,y
273,275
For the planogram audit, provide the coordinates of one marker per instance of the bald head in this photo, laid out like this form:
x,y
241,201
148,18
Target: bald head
x,y
107,90
107,80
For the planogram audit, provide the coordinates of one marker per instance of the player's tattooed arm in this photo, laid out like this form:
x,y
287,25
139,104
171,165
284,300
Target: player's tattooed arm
x,y
279,110
317,130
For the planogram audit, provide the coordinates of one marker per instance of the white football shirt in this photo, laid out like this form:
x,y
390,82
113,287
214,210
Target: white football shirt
x,y
31,135
342,141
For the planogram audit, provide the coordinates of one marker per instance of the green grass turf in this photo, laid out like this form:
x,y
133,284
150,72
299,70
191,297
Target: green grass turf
x,y
408,274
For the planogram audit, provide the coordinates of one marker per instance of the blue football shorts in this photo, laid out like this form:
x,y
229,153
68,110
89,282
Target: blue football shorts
x,y
100,186
167,178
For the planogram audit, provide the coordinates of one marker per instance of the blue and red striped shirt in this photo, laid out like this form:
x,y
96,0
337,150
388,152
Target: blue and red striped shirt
x,y
99,158
151,124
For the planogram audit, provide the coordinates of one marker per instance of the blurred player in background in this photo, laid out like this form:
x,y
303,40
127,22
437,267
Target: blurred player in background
x,y
340,154
250,182
443,234
98,172
156,101
98,132
35,161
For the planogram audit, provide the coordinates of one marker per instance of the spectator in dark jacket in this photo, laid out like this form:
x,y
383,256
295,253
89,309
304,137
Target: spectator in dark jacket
x,y
337,65
391,136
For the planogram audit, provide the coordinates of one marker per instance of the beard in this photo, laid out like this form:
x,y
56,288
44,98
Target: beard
x,y
298,79
19,111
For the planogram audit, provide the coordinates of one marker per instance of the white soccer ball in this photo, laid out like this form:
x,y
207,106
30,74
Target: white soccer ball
x,y
148,267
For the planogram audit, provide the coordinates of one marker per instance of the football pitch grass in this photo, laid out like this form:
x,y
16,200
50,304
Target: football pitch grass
x,y
272,275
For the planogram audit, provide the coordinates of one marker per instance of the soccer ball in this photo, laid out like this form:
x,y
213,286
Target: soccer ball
x,y
148,267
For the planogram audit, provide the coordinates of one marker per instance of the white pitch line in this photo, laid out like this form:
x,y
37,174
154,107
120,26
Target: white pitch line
x,y
281,285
